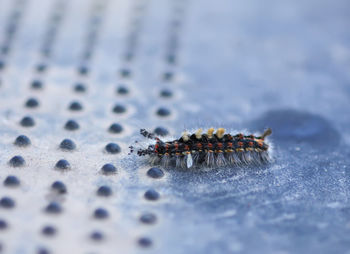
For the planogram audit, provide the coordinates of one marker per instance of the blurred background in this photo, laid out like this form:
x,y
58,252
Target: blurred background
x,y
79,78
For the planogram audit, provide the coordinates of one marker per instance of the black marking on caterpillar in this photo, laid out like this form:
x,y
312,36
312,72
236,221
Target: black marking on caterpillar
x,y
207,150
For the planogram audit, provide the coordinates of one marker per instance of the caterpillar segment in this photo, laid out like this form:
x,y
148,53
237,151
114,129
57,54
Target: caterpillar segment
x,y
210,149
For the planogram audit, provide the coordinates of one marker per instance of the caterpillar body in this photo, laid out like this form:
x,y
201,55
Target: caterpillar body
x,y
207,150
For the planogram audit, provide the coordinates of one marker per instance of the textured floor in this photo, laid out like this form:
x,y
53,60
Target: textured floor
x,y
78,79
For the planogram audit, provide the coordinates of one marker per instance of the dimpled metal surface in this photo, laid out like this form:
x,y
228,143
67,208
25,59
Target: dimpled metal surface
x,y
79,79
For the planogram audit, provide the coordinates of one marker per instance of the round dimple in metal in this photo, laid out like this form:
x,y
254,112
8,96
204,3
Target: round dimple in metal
x,y
71,125
27,121
80,88
43,250
155,173
122,90
167,76
75,106
49,230
166,93
104,191
161,131
37,85
3,224
67,145
97,236
148,218
7,202
125,73
119,109
152,195
144,242
83,70
113,148
41,67
101,213
22,141
59,187
11,181
62,165
163,112
108,169
115,128
17,161
2,64
32,103
53,208
171,58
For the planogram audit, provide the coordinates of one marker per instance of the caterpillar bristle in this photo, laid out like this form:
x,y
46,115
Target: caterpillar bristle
x,y
198,133
207,150
209,159
165,160
268,132
154,159
220,133
220,160
210,132
185,136
178,161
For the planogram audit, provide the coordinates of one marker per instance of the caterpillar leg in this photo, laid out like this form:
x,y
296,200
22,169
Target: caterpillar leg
x,y
148,134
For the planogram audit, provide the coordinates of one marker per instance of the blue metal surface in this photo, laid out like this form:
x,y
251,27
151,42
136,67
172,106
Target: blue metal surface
x,y
238,65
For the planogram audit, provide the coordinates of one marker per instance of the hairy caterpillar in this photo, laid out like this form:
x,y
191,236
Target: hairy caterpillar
x,y
207,150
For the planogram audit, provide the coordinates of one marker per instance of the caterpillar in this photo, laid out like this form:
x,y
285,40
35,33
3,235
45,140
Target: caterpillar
x,y
210,150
